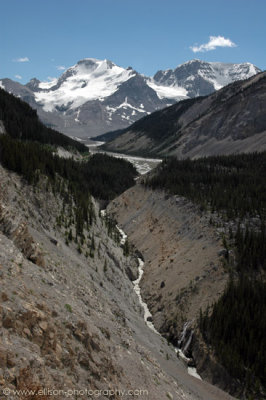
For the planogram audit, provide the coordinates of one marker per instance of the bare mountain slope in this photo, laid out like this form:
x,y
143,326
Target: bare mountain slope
x,y
231,120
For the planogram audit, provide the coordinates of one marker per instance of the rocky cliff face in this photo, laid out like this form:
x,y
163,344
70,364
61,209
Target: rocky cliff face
x,y
16,229
72,321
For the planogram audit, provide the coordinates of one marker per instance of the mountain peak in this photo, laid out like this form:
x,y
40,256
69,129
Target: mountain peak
x,y
88,80
87,62
33,84
34,80
201,77
94,62
193,61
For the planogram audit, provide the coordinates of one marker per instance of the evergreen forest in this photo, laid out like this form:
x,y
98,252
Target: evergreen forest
x,y
21,122
28,148
234,184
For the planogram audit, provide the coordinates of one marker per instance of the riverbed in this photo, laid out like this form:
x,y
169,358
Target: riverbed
x,y
142,164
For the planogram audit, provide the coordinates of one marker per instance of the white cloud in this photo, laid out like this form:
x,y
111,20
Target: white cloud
x,y
22,59
60,68
214,41
18,76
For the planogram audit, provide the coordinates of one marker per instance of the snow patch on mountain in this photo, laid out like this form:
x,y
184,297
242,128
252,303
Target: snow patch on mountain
x,y
168,92
221,74
77,116
126,111
125,105
48,85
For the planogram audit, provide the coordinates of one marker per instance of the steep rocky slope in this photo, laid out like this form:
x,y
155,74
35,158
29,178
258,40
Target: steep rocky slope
x,y
232,120
70,321
184,267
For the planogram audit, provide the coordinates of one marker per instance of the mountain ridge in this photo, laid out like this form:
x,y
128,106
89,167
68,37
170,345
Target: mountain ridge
x,y
96,96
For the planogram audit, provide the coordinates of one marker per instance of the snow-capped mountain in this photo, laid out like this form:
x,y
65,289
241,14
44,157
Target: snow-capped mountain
x,y
89,80
200,78
96,96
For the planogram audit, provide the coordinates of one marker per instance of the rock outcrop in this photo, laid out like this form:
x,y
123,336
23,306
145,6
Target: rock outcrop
x,y
17,230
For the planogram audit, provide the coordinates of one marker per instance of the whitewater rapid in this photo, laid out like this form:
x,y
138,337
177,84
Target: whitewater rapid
x,y
147,314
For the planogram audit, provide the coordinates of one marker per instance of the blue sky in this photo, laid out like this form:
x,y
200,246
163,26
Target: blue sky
x,y
40,36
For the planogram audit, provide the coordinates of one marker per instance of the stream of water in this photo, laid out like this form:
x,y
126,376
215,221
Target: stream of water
x,y
147,314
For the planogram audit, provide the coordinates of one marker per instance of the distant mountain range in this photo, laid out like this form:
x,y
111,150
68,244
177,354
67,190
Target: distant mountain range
x,y
95,96
231,120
